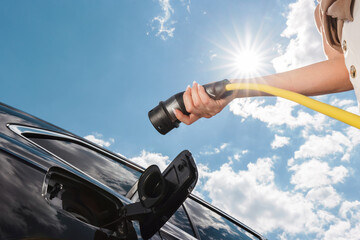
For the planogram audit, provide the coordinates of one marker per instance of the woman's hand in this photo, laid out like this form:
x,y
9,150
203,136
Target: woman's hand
x,y
199,104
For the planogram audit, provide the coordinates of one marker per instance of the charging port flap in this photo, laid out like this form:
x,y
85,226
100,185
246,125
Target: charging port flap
x,y
159,195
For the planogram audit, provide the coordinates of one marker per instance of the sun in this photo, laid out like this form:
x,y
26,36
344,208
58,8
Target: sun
x,y
245,56
247,62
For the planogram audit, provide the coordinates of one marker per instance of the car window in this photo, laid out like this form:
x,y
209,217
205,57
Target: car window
x,y
212,225
114,174
181,220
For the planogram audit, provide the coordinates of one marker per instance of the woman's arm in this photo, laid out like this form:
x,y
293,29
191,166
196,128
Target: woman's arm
x,y
325,77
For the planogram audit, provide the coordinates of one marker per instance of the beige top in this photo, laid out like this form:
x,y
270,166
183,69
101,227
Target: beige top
x,y
350,42
333,14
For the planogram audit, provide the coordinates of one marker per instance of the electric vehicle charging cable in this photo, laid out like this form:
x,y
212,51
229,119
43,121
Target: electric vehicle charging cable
x,y
164,120
331,111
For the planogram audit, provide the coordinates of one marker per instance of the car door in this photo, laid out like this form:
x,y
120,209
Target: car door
x,y
109,169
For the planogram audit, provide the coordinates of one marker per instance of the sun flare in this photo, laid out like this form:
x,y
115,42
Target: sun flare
x,y
245,55
247,62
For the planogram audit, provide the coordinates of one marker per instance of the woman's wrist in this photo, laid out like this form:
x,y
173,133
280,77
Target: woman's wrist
x,y
249,93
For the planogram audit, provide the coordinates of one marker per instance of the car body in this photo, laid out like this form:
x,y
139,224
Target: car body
x,y
38,160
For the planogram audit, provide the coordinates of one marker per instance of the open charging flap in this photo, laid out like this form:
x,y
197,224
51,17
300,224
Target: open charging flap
x,y
158,195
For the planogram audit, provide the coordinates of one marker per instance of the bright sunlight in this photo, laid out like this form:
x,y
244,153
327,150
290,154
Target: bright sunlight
x,y
245,55
247,62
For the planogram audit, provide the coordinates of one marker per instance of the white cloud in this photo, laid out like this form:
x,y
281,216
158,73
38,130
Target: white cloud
x,y
280,141
320,146
348,227
353,109
213,56
253,198
147,158
291,162
281,113
305,46
350,209
164,26
326,196
335,142
343,102
314,174
96,138
215,150
337,230
223,146
237,156
353,134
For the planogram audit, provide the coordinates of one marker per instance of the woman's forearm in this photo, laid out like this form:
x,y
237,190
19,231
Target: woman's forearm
x,y
325,77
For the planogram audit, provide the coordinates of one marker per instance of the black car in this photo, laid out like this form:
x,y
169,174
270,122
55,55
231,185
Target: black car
x,y
56,185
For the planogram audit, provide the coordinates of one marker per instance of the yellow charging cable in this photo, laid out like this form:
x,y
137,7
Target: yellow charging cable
x,y
331,111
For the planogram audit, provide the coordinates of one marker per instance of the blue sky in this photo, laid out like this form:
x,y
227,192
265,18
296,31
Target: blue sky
x,y
97,67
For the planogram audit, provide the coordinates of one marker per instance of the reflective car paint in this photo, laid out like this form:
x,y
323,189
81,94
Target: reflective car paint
x,y
25,163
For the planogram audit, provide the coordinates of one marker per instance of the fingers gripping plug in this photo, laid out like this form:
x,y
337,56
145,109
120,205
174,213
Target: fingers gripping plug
x,y
162,116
